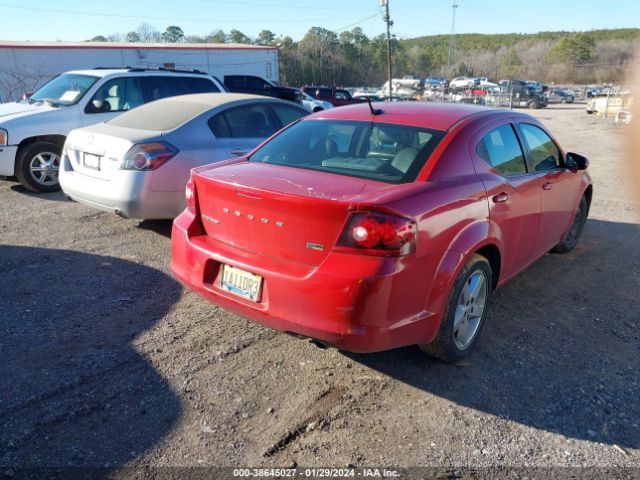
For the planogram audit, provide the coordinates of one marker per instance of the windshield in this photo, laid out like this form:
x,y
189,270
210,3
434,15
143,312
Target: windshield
x,y
66,89
372,150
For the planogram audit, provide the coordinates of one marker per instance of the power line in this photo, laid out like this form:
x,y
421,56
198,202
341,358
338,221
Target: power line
x,y
358,22
171,19
484,9
288,7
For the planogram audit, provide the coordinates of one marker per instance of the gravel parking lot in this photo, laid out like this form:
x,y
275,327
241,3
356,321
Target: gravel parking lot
x,y
108,362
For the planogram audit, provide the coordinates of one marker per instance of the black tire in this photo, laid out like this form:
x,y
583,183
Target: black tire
x,y
532,104
318,109
563,100
29,154
444,345
573,236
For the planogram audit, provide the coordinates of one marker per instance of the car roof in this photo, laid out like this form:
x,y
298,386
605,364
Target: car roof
x,y
432,115
103,72
170,113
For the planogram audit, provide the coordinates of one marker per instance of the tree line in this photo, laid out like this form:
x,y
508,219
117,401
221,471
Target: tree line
x,y
351,58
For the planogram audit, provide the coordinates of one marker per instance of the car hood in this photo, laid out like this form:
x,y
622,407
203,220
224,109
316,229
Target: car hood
x,y
11,111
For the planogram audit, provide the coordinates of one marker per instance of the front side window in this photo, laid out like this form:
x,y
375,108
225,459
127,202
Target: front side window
x,y
500,149
248,121
117,95
256,83
65,89
544,153
371,150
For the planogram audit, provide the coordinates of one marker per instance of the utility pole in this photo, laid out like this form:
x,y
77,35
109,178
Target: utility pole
x,y
387,19
452,38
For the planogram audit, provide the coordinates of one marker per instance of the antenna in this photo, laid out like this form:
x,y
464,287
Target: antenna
x,y
452,38
374,111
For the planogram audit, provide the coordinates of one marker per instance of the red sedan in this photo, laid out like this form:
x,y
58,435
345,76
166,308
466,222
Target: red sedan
x,y
369,229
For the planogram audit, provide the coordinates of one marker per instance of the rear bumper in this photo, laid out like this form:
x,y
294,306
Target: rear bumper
x,y
353,302
128,194
8,160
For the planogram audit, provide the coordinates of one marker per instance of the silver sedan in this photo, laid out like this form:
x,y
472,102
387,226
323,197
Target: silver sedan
x,y
137,164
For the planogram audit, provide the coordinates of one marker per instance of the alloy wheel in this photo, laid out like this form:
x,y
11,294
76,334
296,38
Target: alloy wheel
x,y
470,309
44,168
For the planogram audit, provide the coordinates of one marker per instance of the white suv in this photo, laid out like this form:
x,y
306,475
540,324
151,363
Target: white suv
x,y
33,132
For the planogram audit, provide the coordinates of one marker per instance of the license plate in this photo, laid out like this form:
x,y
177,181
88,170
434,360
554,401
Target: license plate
x,y
241,283
91,161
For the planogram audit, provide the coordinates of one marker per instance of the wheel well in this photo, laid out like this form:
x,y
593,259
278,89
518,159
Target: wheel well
x,y
57,139
588,194
318,109
491,253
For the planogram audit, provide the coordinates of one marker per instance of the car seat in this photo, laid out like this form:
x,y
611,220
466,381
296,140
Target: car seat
x,y
404,159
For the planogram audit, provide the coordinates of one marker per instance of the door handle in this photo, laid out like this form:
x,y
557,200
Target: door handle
x,y
547,186
237,152
500,198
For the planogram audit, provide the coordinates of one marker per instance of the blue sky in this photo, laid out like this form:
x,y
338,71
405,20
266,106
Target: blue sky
x,y
77,20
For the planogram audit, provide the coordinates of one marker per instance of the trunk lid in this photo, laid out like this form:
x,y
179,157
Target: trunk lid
x,y
281,212
98,151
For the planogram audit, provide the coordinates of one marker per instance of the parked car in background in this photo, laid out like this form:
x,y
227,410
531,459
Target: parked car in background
x,y
435,81
32,132
259,86
338,97
370,231
486,82
534,84
463,82
137,165
520,94
557,95
313,104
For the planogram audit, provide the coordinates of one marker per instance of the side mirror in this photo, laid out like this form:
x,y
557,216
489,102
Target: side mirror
x,y
576,161
98,106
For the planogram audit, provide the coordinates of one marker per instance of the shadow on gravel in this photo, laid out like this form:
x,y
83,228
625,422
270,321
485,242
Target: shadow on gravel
x,y
74,392
52,196
161,227
561,349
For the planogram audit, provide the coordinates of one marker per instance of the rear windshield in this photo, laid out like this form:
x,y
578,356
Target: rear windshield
x,y
161,115
372,150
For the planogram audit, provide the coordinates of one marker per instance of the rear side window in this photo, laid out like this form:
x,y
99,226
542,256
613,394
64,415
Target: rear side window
x,y
163,87
500,149
199,85
287,114
371,150
544,153
247,121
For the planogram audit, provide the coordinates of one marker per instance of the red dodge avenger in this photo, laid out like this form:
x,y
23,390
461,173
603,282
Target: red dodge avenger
x,y
373,228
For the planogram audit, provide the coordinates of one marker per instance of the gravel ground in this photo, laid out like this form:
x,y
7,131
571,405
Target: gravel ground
x,y
107,362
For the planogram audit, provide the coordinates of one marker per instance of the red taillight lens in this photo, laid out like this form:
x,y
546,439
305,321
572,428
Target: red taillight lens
x,y
190,194
148,156
378,233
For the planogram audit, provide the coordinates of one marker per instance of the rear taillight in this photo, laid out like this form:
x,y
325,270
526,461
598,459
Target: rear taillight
x,y
377,233
148,156
190,194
